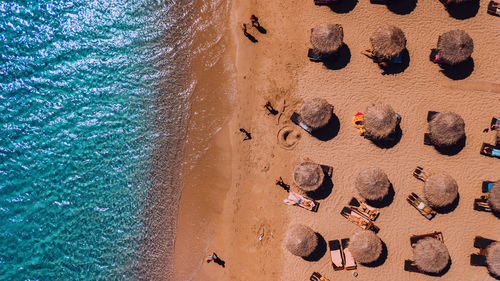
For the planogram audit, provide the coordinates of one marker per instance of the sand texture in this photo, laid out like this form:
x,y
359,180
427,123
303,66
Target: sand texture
x,y
277,69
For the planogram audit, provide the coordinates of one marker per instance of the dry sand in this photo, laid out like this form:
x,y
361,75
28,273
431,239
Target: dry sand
x,y
241,202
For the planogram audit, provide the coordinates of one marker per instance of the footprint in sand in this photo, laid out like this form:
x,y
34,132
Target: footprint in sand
x,y
288,137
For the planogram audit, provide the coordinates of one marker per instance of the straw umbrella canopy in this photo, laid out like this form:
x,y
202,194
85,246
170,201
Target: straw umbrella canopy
x,y
380,121
316,112
308,176
301,240
431,255
455,46
494,196
365,246
493,258
372,184
388,42
440,190
446,128
327,38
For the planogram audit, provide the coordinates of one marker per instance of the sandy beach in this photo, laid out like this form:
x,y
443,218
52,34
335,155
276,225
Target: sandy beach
x,y
229,198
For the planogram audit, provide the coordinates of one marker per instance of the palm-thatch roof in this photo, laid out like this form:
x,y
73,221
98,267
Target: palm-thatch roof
x,y
327,38
365,246
455,46
308,176
446,129
372,184
493,258
431,255
440,190
494,196
316,112
388,42
301,240
380,121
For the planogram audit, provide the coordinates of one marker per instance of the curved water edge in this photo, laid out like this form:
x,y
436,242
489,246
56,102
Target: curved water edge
x,y
94,103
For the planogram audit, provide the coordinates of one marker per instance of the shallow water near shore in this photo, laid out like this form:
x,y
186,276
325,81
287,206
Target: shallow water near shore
x,y
94,102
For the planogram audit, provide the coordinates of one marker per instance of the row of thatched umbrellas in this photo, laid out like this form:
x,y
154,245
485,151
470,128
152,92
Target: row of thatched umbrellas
x,y
380,121
388,42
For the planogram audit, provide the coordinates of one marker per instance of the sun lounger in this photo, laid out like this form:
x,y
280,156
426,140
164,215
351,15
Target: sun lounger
x,y
482,243
490,150
295,199
427,139
295,118
477,260
328,170
325,2
436,235
315,56
481,204
358,122
430,115
336,255
367,210
358,219
410,266
494,8
317,277
495,121
486,187
349,262
421,174
419,204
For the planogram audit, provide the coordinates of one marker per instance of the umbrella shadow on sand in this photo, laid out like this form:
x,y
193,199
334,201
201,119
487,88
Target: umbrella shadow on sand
x,y
323,191
381,259
391,141
345,6
450,208
402,7
329,131
340,59
395,68
459,71
453,149
386,201
463,10
320,250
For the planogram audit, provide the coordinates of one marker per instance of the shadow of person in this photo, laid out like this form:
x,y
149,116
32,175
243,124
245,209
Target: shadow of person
x,y
328,132
402,7
395,68
261,29
453,149
320,250
462,11
251,37
386,201
381,259
390,141
344,6
339,60
323,191
448,209
459,71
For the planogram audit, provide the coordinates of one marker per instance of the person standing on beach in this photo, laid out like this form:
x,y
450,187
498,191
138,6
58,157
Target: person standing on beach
x,y
255,21
213,257
244,28
248,136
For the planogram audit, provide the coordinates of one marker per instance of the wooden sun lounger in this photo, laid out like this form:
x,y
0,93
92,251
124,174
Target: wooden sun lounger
x,y
478,260
349,262
482,243
484,146
495,121
296,199
370,212
295,118
316,57
424,209
421,174
317,277
486,186
427,139
436,235
481,204
358,219
430,115
494,8
336,255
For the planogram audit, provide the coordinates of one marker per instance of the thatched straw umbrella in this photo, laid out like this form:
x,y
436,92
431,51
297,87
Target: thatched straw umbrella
x,y
431,255
316,112
440,190
455,46
301,240
493,258
380,121
494,196
327,38
446,129
372,184
388,42
365,246
308,176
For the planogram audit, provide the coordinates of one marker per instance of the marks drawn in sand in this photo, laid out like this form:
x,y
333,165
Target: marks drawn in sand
x,y
288,137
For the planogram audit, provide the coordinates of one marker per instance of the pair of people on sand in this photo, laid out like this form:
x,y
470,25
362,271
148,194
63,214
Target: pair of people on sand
x,y
255,23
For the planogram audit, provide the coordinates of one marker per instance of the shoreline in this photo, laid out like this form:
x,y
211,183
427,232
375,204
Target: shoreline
x,y
244,203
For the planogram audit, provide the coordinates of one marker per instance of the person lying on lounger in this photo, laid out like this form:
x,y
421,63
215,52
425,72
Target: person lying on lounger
x,y
490,150
421,174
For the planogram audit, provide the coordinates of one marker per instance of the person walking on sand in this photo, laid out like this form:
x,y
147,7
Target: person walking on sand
x,y
255,21
248,136
213,257
244,28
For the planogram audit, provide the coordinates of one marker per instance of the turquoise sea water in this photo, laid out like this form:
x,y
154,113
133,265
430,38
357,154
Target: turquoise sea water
x,y
79,81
